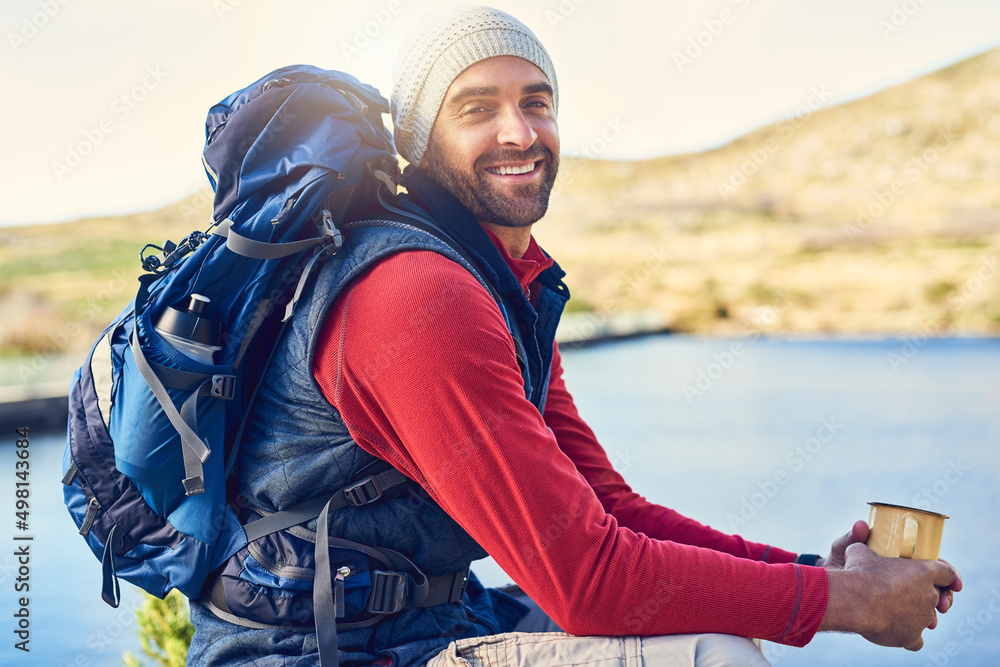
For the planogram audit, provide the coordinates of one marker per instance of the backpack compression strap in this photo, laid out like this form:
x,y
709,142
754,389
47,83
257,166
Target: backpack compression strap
x,y
195,451
390,592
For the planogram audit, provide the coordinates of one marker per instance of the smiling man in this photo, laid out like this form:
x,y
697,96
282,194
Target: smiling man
x,y
495,145
443,364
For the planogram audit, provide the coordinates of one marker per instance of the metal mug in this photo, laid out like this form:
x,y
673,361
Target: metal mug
x,y
897,531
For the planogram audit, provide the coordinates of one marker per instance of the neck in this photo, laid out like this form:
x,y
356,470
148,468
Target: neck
x,y
515,239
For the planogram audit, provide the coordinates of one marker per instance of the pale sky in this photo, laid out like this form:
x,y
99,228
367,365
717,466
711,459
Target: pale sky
x,y
104,101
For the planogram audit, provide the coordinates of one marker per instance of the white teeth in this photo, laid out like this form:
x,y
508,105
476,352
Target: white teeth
x,y
511,171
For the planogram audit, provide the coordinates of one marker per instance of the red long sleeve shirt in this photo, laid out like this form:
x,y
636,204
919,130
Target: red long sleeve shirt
x,y
418,360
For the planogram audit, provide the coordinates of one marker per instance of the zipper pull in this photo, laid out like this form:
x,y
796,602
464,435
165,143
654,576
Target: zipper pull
x,y
338,590
88,519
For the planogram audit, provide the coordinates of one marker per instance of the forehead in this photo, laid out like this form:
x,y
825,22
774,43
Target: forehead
x,y
496,76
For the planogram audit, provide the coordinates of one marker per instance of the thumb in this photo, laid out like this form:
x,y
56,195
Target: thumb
x,y
859,532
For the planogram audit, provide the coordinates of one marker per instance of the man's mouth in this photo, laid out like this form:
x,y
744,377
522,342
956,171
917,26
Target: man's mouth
x,y
514,169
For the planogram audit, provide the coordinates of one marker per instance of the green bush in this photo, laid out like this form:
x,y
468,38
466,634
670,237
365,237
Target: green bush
x,y
165,630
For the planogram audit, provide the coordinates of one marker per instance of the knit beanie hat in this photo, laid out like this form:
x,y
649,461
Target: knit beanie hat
x,y
437,51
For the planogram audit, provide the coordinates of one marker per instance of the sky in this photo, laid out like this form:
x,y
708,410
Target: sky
x,y
104,101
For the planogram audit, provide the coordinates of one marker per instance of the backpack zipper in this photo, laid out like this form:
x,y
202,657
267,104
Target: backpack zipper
x,y
88,519
338,590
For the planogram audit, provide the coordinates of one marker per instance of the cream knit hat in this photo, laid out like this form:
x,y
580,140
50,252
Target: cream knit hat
x,y
441,48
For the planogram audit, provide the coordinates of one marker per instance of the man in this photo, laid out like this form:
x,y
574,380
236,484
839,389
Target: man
x,y
443,364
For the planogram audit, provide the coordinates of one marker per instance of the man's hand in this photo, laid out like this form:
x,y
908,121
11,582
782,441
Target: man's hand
x,y
888,601
835,561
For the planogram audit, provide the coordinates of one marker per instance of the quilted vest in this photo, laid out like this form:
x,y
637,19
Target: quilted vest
x,y
297,447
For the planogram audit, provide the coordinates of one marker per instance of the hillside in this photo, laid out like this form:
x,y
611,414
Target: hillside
x,y
877,216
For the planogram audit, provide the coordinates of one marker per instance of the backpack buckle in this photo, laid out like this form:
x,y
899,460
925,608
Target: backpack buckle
x,y
363,492
458,586
388,594
223,386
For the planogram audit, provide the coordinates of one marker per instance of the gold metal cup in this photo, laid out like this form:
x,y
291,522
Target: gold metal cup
x,y
897,531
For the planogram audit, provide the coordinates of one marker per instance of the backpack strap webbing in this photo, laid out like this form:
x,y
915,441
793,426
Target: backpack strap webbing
x,y
364,491
390,593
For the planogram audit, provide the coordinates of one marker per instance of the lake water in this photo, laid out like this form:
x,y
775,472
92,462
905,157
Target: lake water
x,y
916,424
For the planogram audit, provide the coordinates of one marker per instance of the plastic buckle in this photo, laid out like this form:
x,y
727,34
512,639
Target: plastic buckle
x,y
193,486
388,594
363,492
458,586
224,386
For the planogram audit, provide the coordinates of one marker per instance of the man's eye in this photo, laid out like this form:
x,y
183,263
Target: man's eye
x,y
473,110
538,104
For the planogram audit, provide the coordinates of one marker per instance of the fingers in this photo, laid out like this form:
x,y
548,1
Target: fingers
x,y
857,551
857,533
916,646
945,601
945,576
957,584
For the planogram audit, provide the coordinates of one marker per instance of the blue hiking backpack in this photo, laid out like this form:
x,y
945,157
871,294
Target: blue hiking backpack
x,y
156,412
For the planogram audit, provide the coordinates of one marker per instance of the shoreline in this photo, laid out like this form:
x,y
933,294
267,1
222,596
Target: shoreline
x,y
43,406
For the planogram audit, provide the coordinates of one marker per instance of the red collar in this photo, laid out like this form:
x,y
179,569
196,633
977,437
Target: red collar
x,y
528,267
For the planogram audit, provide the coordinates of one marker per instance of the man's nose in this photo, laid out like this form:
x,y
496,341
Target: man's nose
x,y
515,131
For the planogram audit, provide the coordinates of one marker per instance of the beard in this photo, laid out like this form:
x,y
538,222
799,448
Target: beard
x,y
520,206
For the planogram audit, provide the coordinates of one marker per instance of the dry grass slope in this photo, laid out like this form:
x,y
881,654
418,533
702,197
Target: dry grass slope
x,y
879,216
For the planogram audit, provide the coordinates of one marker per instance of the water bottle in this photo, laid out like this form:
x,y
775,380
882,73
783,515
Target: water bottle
x,y
190,331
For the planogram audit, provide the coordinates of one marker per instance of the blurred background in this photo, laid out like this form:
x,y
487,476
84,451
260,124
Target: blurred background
x,y
814,182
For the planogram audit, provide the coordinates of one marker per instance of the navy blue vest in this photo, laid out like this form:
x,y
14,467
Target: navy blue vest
x,y
297,447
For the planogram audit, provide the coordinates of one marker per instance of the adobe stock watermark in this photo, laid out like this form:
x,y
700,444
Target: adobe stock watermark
x,y
224,7
703,40
195,208
33,24
929,496
901,14
970,627
363,34
622,460
756,158
795,459
104,640
599,144
708,375
912,171
625,287
662,594
912,345
121,108
87,312
562,12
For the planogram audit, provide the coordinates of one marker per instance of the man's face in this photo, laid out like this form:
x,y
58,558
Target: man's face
x,y
495,143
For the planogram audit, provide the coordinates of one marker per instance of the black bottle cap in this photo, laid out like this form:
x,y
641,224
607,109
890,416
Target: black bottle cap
x,y
190,324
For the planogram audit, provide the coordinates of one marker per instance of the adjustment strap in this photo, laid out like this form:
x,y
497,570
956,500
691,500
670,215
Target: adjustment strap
x,y
391,594
219,386
324,597
110,591
70,474
334,242
195,451
248,247
362,492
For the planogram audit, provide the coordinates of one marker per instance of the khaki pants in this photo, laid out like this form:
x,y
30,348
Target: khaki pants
x,y
535,645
